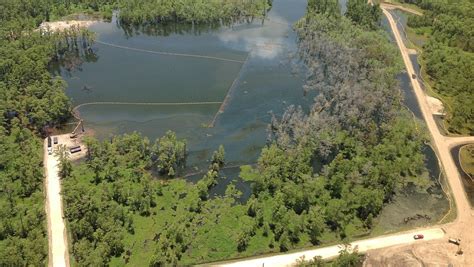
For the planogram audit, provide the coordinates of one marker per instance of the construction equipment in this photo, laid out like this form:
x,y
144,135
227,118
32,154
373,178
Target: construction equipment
x,y
455,241
74,132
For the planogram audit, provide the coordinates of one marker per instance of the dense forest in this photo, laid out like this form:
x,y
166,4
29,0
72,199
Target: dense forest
x,y
323,175
144,11
30,100
448,56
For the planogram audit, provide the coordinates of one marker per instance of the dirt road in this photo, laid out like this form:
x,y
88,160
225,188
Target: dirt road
x,y
58,252
406,9
462,226
333,251
441,143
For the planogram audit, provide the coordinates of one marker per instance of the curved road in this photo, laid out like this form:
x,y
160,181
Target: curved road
x,y
463,225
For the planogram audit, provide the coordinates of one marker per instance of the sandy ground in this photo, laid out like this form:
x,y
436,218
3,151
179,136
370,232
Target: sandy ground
x,y
63,25
58,244
436,106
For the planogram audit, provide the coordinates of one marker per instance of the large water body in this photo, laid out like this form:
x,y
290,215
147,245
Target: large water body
x,y
264,82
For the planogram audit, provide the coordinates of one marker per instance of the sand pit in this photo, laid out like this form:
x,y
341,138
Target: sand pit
x,y
58,26
435,105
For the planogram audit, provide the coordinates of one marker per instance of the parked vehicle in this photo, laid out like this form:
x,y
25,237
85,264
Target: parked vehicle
x,y
455,241
418,236
50,148
55,140
413,76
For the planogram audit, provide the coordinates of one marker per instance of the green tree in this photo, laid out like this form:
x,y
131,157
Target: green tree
x,y
169,153
65,166
218,157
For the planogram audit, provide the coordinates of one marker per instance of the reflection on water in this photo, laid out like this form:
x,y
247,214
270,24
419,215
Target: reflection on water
x,y
264,84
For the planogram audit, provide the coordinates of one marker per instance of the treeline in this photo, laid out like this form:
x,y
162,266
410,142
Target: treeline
x,y
139,12
448,57
23,236
30,99
191,11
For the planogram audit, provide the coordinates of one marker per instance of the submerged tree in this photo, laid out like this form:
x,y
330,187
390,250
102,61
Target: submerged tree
x,y
169,154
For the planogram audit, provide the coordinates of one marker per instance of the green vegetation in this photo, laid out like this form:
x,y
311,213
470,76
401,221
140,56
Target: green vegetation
x,y
466,156
448,57
190,11
139,12
112,199
23,237
345,259
169,154
363,14
30,102
324,176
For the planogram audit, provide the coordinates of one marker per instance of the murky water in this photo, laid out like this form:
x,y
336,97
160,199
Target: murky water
x,y
130,69
432,203
264,83
401,17
466,180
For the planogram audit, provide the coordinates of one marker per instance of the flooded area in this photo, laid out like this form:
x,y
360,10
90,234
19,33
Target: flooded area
x,y
133,85
401,18
127,71
466,180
